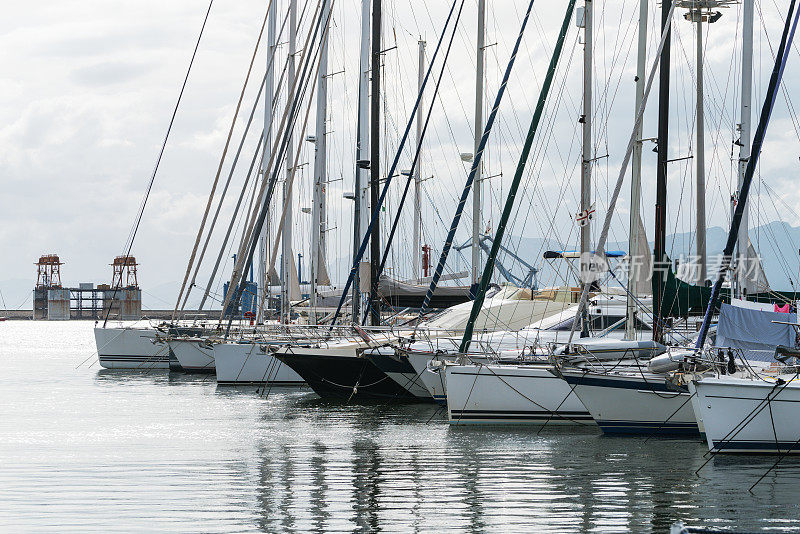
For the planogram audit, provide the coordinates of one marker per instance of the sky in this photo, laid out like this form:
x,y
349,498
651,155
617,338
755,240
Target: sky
x,y
87,90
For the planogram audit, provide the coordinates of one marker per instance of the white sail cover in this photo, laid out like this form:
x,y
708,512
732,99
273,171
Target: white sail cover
x,y
750,272
272,278
322,270
294,283
641,268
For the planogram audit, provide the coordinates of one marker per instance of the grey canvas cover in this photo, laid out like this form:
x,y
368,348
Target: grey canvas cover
x,y
754,332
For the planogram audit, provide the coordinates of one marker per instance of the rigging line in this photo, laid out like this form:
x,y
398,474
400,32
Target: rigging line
x,y
535,193
221,162
232,169
789,102
224,192
601,242
420,141
282,137
261,148
260,165
512,193
139,216
307,75
384,191
755,152
475,164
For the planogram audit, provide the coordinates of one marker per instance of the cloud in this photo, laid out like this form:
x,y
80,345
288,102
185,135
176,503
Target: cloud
x,y
88,88
109,73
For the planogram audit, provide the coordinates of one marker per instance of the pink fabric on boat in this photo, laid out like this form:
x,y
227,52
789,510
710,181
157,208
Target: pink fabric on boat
x,y
782,309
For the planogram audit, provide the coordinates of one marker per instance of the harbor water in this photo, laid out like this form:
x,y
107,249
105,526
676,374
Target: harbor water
x,y
85,449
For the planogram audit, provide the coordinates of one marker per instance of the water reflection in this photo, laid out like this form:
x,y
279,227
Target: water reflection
x,y
324,466
153,450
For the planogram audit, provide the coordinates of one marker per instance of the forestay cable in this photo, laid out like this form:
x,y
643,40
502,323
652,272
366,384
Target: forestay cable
x,y
160,154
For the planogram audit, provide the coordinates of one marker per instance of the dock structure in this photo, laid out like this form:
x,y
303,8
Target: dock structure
x,y
120,300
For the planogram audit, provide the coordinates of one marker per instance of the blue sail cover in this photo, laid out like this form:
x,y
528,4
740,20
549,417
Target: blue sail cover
x,y
753,332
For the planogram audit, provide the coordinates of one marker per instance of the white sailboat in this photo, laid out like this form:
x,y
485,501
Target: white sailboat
x,y
194,354
239,363
130,348
754,414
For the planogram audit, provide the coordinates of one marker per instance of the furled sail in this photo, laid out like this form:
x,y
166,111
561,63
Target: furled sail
x,y
322,270
753,280
641,267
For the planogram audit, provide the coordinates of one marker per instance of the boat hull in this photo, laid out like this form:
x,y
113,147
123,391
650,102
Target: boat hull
x,y
398,368
748,416
342,374
432,381
194,355
247,363
130,348
634,404
511,395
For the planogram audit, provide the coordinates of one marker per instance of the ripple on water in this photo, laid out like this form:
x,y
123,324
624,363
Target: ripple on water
x,y
85,449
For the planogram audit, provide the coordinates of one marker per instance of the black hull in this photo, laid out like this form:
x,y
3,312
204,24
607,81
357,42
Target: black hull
x,y
348,378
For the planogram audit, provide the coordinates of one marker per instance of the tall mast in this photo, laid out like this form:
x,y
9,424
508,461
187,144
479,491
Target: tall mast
x,y
743,240
660,265
476,187
634,254
320,170
586,158
417,238
288,259
374,163
269,93
702,274
361,210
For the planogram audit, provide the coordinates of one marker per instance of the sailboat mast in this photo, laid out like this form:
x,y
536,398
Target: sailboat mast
x,y
634,254
269,94
660,263
320,171
360,213
743,240
288,259
476,187
374,163
586,158
700,156
417,237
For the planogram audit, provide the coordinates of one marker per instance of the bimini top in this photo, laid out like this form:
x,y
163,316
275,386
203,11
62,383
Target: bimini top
x,y
575,254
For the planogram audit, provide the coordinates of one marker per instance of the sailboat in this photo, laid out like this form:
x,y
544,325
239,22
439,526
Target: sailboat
x,y
350,369
665,398
757,412
527,391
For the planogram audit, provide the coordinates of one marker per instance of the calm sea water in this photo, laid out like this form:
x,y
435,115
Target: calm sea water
x,y
85,449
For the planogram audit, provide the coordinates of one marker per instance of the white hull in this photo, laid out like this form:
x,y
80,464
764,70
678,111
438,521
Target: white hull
x,y
432,381
130,348
246,363
194,355
738,418
511,394
639,403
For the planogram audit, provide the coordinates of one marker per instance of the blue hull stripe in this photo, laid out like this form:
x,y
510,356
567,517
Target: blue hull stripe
x,y
261,383
111,358
756,446
650,385
486,415
648,427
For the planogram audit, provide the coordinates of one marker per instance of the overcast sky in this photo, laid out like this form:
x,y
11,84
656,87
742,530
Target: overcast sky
x,y
87,88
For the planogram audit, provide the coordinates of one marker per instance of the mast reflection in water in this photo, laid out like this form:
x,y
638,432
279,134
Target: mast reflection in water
x,y
138,451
